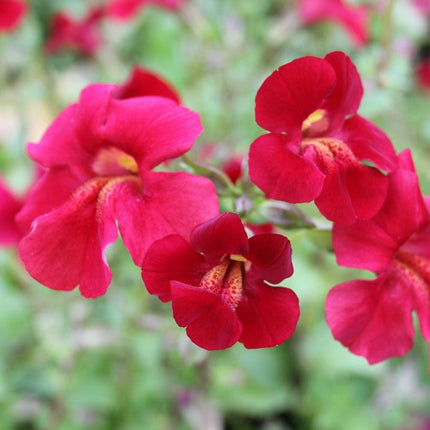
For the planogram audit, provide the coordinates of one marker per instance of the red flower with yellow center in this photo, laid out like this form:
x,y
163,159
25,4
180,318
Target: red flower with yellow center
x,y
99,155
318,142
217,284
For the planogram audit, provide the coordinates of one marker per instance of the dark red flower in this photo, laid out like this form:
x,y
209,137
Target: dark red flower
x,y
373,317
353,18
11,14
217,284
80,35
126,9
99,156
318,140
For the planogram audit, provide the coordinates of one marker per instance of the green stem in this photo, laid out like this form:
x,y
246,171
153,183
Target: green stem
x,y
386,41
213,173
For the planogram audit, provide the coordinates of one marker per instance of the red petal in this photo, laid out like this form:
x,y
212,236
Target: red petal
x,y
404,210
66,246
372,244
224,234
270,255
53,188
151,129
367,188
406,161
418,243
210,322
372,318
291,93
334,201
351,192
59,145
12,13
9,207
268,314
363,245
281,173
169,203
348,92
368,142
142,82
168,259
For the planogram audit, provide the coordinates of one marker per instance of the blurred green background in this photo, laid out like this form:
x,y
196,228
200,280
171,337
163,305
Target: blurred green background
x,y
120,361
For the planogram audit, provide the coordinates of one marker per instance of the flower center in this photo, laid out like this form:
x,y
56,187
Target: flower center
x,y
315,124
325,151
226,279
113,161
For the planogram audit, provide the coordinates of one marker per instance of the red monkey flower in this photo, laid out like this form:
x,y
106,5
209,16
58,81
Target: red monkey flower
x,y
81,35
217,284
99,156
373,318
11,14
317,140
353,18
126,9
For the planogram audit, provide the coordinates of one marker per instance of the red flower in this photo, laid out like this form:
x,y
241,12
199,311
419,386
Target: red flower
x,y
99,154
353,18
126,9
318,140
11,14
9,207
216,284
81,35
373,317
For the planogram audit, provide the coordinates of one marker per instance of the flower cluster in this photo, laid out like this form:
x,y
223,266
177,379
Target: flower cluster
x,y
102,169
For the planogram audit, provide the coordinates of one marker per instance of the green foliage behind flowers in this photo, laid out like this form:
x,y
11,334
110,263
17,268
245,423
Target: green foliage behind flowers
x,y
120,362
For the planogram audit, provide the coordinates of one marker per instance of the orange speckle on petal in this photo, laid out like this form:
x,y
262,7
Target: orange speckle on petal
x,y
226,279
